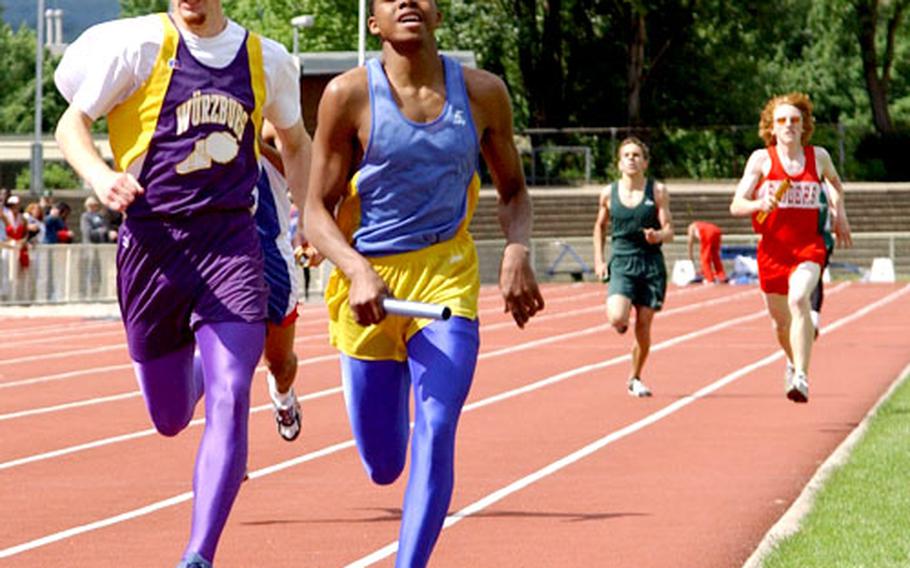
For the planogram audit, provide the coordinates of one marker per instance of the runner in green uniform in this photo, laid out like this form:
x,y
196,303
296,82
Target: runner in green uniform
x,y
638,208
824,227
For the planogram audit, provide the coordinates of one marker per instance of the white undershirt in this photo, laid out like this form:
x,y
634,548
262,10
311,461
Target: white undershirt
x,y
111,60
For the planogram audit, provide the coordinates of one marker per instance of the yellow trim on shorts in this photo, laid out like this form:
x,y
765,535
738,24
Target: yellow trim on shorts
x,y
445,273
132,124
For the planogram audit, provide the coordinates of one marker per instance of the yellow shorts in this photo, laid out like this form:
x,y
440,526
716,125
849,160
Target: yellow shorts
x,y
445,273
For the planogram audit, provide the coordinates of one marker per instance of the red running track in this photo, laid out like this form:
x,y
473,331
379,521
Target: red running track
x,y
556,465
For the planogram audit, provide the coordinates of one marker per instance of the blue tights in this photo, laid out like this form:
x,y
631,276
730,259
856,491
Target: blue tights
x,y
441,362
172,385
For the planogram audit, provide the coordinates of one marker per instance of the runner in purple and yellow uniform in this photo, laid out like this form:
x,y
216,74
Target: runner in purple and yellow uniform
x,y
409,127
184,94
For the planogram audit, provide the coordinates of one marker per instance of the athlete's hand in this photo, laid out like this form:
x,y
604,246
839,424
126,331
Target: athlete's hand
x,y
366,294
307,256
116,190
653,236
842,230
518,284
600,269
768,203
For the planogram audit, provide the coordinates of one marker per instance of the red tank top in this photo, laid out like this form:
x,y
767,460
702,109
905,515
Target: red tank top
x,y
794,223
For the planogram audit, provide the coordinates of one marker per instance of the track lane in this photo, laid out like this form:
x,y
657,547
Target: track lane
x,y
368,503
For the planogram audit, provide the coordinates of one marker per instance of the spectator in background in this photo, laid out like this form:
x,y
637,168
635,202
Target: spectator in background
x,y
5,194
34,219
709,235
93,225
16,229
55,229
46,202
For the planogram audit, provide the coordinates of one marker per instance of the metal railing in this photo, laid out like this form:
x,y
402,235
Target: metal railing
x,y
67,274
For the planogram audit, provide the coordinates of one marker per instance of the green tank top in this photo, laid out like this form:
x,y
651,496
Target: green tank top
x,y
824,220
627,222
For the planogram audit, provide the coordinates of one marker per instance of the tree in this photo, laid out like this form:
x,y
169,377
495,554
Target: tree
x,y
17,90
873,16
140,7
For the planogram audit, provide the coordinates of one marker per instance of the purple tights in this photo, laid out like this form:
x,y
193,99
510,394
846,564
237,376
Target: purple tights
x,y
172,385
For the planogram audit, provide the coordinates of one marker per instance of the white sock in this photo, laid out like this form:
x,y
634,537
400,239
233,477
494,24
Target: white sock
x,y
815,317
284,400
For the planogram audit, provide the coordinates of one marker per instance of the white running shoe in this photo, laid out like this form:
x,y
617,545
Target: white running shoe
x,y
288,418
798,390
788,376
637,388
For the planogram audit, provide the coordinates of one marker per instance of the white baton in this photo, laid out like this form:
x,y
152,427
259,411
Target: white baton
x,y
416,309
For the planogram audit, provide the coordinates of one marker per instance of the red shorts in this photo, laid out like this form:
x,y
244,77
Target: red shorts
x,y
776,261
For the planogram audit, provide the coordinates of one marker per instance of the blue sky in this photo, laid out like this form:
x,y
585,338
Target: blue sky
x,y
77,14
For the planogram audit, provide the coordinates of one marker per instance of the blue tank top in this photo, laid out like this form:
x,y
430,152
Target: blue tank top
x,y
412,187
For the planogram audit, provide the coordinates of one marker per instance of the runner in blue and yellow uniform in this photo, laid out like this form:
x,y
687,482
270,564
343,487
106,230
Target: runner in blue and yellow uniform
x,y
638,209
410,127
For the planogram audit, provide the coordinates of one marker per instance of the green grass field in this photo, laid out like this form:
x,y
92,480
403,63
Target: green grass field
x,y
861,518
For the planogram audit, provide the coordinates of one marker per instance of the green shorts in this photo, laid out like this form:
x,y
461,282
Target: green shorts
x,y
641,278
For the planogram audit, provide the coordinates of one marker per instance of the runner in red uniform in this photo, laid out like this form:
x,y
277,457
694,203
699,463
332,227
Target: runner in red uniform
x,y
791,252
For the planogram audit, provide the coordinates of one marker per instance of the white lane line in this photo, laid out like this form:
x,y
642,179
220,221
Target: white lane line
x,y
70,405
115,346
601,443
66,375
140,434
56,328
62,354
56,340
334,356
68,533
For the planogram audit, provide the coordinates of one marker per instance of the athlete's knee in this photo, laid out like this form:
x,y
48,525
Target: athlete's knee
x,y
386,470
619,323
231,400
799,304
170,425
284,370
436,436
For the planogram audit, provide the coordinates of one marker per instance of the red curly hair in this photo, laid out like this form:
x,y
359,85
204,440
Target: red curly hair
x,y
800,101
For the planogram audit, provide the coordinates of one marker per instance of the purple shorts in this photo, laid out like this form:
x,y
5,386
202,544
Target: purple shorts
x,y
173,275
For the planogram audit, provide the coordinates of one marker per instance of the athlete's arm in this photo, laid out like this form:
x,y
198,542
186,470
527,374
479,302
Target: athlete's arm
x,y
691,235
600,229
343,111
662,201
492,112
828,173
115,189
295,146
743,204
98,71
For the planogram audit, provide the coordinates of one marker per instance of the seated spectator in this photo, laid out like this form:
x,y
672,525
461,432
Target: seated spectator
x,y
55,227
93,225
